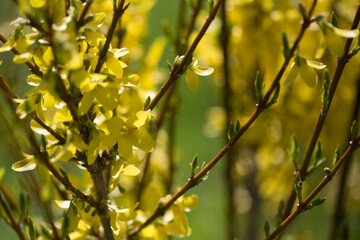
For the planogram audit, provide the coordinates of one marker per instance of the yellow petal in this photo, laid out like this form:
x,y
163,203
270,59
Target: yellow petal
x,y
316,65
141,139
114,125
292,75
114,66
124,147
335,43
131,170
119,52
115,174
107,141
65,204
37,3
107,97
94,38
308,74
202,71
22,58
33,80
93,150
26,164
192,80
86,102
7,46
345,33
190,203
180,227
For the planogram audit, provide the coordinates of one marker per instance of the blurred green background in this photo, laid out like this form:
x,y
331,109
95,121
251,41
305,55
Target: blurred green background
x,y
208,220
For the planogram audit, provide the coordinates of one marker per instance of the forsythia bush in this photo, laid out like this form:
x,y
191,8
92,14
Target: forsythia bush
x,y
92,147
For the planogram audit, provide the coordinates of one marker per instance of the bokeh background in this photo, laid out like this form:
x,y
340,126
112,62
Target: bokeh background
x,y
262,170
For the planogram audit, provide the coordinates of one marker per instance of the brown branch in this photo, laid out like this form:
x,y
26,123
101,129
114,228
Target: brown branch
x,y
60,138
261,106
33,68
180,27
339,214
9,197
101,188
80,21
194,13
13,223
226,98
164,107
341,63
118,12
302,206
177,70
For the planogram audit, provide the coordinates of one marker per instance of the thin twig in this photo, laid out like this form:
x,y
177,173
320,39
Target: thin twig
x,y
13,223
163,109
302,206
341,63
227,97
194,13
9,197
177,70
339,214
80,21
261,106
118,12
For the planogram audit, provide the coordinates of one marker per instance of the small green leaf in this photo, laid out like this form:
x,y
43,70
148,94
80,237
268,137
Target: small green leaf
x,y
62,171
193,166
279,215
334,20
46,232
211,7
231,133
318,18
293,151
267,229
316,158
353,130
24,206
126,6
206,176
326,76
259,87
237,128
298,187
336,156
168,64
286,49
275,97
315,203
88,208
318,201
31,229
302,9
147,102
325,90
